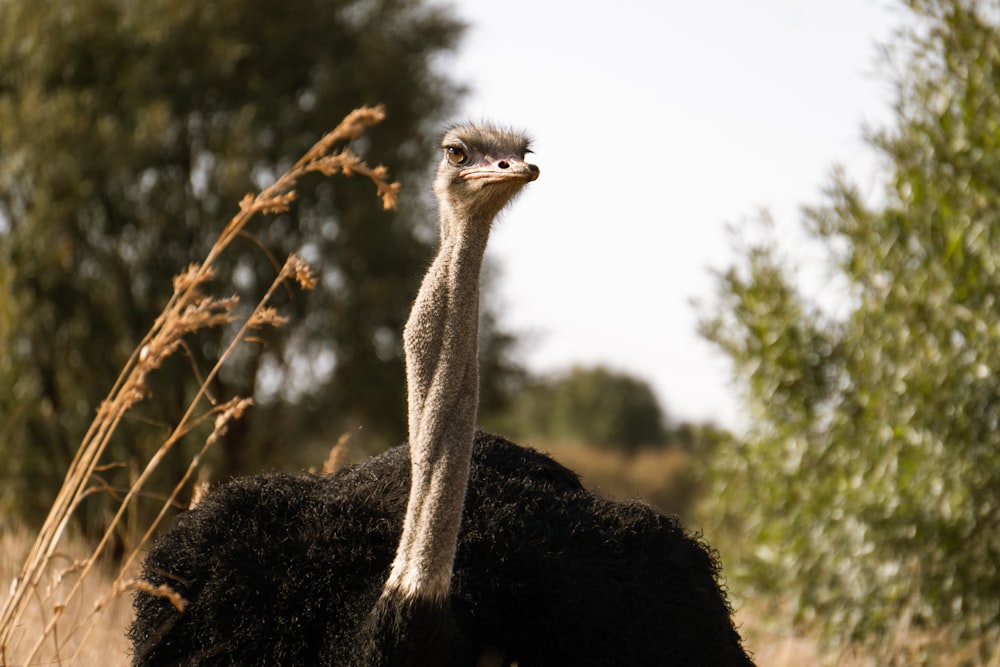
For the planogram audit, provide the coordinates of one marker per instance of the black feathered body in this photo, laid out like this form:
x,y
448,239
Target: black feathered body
x,y
288,570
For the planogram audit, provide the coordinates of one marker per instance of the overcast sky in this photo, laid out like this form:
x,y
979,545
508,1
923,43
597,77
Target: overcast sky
x,y
656,125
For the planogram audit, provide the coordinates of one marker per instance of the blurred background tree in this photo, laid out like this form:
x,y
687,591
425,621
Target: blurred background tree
x,y
870,480
592,406
129,132
609,428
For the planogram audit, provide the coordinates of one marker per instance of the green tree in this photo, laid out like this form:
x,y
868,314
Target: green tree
x,y
590,405
129,131
873,462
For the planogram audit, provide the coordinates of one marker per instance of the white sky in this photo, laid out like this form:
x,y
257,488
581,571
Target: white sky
x,y
656,124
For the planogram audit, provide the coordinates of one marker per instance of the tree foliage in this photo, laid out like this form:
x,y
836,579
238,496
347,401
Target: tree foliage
x,y
129,132
873,462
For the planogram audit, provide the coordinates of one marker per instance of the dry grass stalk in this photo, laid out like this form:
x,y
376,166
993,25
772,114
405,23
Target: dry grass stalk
x,y
162,591
337,458
189,309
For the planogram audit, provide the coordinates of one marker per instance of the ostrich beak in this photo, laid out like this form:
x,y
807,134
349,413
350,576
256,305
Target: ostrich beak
x,y
502,171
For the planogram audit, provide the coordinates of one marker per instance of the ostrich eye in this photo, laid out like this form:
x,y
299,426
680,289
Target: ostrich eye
x,y
456,155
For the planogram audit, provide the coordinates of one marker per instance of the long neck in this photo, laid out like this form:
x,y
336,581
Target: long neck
x,y
441,346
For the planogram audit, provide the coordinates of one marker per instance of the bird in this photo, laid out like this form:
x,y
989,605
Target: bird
x,y
458,548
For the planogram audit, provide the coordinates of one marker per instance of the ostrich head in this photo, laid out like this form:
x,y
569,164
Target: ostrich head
x,y
481,170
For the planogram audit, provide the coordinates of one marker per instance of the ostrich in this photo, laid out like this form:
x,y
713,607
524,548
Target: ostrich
x,y
461,549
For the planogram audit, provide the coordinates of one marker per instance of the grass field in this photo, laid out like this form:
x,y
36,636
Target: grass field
x,y
91,630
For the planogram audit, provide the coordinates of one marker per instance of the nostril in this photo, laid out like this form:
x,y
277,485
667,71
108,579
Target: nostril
x,y
503,164
533,168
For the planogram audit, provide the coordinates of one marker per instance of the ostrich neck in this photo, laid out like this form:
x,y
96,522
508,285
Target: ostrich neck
x,y
442,374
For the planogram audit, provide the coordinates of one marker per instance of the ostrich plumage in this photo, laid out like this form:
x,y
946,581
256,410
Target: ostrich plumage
x,y
459,549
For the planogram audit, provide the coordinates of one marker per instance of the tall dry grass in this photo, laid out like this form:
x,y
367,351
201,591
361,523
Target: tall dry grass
x,y
63,606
